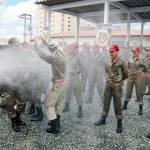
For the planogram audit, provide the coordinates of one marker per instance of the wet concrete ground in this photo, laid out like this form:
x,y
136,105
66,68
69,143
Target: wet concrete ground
x,y
81,134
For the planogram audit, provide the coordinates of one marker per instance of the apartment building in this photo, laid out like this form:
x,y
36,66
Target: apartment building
x,y
59,23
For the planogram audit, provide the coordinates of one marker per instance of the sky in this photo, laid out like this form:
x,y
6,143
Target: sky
x,y
13,2
10,23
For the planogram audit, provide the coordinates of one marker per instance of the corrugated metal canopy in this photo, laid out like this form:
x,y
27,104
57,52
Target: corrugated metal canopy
x,y
55,2
136,3
89,8
139,9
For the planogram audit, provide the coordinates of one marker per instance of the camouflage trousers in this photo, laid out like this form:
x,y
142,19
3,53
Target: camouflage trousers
x,y
53,102
112,91
35,97
84,78
73,84
146,82
98,81
138,82
12,97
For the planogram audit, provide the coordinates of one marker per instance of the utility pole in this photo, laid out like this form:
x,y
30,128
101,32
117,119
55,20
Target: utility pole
x,y
25,17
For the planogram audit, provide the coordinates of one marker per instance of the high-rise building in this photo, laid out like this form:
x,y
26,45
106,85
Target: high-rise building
x,y
59,23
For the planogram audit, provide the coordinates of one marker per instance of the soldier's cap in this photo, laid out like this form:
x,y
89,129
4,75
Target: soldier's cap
x,y
148,49
95,46
86,45
67,46
13,41
135,49
53,46
113,47
25,44
73,45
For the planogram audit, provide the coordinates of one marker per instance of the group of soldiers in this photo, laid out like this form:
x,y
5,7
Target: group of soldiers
x,y
73,72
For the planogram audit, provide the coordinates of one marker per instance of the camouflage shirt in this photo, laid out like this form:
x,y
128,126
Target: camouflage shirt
x,y
136,66
57,60
116,70
73,64
147,63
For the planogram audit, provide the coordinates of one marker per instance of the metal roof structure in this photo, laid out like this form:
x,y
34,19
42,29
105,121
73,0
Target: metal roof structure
x,y
93,10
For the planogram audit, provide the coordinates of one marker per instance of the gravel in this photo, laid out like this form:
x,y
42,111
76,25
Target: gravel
x,y
81,134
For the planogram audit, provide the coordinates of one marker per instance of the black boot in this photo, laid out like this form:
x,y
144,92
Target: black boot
x,y
19,121
124,107
54,127
148,136
66,108
119,126
79,111
14,125
101,121
39,115
58,121
140,110
31,109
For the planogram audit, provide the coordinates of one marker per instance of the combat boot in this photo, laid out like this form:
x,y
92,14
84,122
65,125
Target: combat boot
x,y
54,127
119,126
31,109
39,115
19,121
79,111
148,136
140,110
101,121
58,121
14,125
66,108
124,107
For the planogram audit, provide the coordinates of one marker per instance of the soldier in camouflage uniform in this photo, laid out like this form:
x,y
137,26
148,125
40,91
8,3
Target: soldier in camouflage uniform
x,y
146,76
54,99
12,89
116,72
135,69
85,56
96,74
73,83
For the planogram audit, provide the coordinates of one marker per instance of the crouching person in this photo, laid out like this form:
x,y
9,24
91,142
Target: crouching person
x,y
12,97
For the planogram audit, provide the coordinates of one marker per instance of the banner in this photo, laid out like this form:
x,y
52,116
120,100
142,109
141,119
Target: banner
x,y
103,37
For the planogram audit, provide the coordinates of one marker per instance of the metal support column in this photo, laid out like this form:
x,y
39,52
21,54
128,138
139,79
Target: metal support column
x,y
25,29
77,31
49,23
128,30
142,29
30,28
106,12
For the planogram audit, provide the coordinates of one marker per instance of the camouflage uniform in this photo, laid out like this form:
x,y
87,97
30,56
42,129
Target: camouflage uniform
x,y
85,56
146,76
55,95
96,76
73,83
135,69
115,72
12,93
